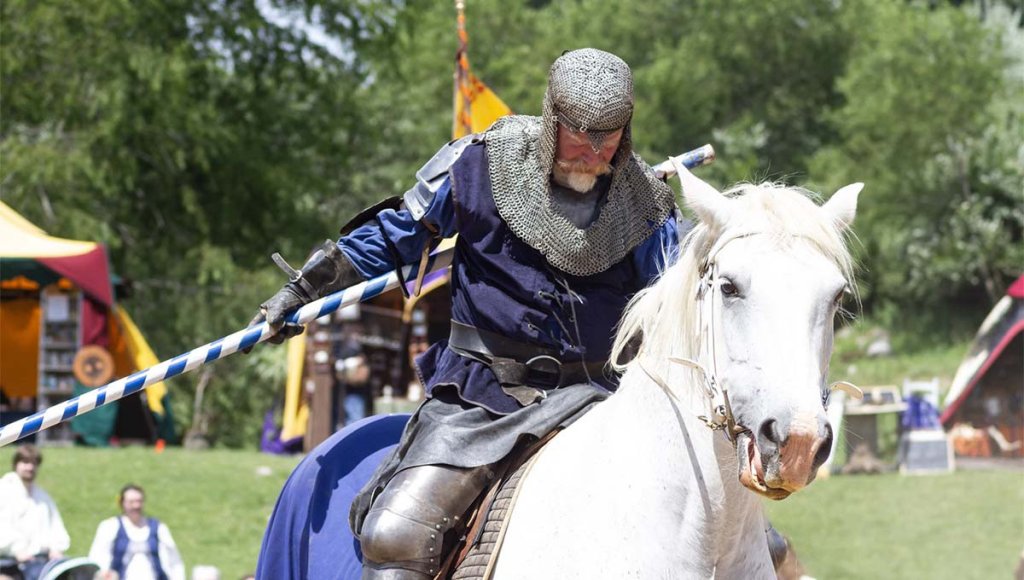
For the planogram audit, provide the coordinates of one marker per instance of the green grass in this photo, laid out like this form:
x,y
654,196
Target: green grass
x,y
965,525
214,502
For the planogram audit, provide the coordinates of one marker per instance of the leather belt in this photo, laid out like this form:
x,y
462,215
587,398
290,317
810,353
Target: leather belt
x,y
516,363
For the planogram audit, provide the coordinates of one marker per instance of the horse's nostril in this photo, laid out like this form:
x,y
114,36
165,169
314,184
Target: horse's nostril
x,y
770,431
825,449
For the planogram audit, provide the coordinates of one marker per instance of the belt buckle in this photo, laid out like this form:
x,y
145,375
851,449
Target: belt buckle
x,y
549,367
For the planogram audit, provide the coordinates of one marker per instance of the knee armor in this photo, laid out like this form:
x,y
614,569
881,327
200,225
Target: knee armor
x,y
404,532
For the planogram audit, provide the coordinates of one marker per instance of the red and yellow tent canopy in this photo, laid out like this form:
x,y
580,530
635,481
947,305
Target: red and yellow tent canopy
x,y
31,260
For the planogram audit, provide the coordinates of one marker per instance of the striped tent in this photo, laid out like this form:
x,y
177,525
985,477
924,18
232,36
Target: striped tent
x,y
31,261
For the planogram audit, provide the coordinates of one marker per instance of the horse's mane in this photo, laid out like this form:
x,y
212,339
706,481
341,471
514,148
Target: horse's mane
x,y
662,317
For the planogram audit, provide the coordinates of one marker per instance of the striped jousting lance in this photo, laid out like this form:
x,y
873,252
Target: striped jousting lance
x,y
209,352
245,338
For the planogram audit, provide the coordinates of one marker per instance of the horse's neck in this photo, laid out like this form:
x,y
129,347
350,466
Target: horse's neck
x,y
638,483
674,446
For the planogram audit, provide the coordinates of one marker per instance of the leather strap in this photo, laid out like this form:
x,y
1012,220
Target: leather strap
x,y
475,524
519,364
477,340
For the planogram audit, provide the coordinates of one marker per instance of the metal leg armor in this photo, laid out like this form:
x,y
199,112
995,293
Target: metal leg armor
x,y
777,546
403,535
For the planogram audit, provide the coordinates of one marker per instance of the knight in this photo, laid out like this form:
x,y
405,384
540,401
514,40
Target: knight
x,y
559,223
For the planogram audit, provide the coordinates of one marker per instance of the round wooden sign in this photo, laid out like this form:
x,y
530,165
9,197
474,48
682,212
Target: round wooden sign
x,y
93,366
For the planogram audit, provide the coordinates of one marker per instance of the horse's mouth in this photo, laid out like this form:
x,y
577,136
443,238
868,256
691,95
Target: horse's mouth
x,y
752,470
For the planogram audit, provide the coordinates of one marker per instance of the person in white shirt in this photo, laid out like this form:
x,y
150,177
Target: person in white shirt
x,y
134,547
31,529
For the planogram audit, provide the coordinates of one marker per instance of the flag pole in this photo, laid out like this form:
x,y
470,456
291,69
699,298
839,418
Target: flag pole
x,y
463,119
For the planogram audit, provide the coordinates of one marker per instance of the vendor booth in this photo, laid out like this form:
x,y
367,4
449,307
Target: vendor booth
x,y
61,333
985,403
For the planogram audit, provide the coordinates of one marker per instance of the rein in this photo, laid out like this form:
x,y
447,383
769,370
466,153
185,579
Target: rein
x,y
720,416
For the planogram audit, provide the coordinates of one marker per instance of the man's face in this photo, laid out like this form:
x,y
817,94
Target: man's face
x,y
577,165
132,502
26,470
573,146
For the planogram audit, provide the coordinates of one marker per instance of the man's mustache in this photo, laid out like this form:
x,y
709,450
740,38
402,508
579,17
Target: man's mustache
x,y
580,166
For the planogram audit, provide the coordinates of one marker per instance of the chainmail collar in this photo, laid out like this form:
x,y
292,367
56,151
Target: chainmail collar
x,y
519,165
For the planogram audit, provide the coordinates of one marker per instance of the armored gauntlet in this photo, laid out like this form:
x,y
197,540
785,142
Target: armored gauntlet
x,y
327,270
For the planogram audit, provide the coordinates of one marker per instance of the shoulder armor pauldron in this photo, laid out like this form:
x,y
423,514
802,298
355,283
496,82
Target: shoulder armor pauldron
x,y
430,177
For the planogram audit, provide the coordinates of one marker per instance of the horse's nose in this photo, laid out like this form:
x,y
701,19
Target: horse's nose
x,y
800,445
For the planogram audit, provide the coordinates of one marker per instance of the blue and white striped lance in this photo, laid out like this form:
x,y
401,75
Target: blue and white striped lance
x,y
208,353
245,338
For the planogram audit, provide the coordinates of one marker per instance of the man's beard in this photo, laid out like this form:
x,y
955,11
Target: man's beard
x,y
577,175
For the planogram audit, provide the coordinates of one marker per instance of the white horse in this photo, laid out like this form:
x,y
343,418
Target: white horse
x,y
736,335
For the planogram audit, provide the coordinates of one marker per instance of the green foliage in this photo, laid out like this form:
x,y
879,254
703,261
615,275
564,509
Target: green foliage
x,y
193,140
918,361
196,138
932,123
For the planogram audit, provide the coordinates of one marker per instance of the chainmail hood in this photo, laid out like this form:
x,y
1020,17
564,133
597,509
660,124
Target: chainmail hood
x,y
591,92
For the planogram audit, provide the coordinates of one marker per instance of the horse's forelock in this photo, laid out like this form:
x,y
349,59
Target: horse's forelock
x,y
790,214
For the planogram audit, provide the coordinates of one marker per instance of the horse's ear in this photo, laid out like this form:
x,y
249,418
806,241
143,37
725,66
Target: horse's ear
x,y
710,205
842,206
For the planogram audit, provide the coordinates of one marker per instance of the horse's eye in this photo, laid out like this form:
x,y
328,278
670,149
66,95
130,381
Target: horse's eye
x,y
729,289
838,300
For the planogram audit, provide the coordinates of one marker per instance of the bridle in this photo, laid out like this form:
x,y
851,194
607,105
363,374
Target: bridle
x,y
719,415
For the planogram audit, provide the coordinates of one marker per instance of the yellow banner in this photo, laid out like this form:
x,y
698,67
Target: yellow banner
x,y
476,105
143,357
295,415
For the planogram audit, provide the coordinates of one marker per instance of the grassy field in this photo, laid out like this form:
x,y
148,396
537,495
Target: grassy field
x,y
965,525
216,503
937,361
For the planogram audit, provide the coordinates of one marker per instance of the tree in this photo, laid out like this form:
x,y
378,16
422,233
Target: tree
x,y
930,122
193,140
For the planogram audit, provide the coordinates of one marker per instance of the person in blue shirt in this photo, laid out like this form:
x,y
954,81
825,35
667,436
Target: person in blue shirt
x,y
132,546
559,224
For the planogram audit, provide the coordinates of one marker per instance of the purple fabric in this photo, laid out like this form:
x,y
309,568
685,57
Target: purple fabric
x,y
502,285
427,280
270,439
920,414
368,251
308,536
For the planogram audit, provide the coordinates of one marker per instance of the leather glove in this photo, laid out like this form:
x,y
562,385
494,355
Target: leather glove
x,y
327,271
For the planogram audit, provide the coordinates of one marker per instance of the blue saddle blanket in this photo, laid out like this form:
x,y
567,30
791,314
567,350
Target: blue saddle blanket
x,y
308,536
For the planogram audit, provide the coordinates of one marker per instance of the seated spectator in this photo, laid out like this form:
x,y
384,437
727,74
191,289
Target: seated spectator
x,y
134,547
31,530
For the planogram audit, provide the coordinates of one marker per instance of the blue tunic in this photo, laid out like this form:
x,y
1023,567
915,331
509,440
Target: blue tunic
x,y
501,284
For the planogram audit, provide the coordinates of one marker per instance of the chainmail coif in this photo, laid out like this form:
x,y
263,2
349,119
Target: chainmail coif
x,y
589,91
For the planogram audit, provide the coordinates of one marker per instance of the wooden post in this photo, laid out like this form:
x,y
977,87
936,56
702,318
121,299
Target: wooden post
x,y
318,381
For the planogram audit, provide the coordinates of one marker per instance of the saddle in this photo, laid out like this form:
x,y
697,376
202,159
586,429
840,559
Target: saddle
x,y
474,556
